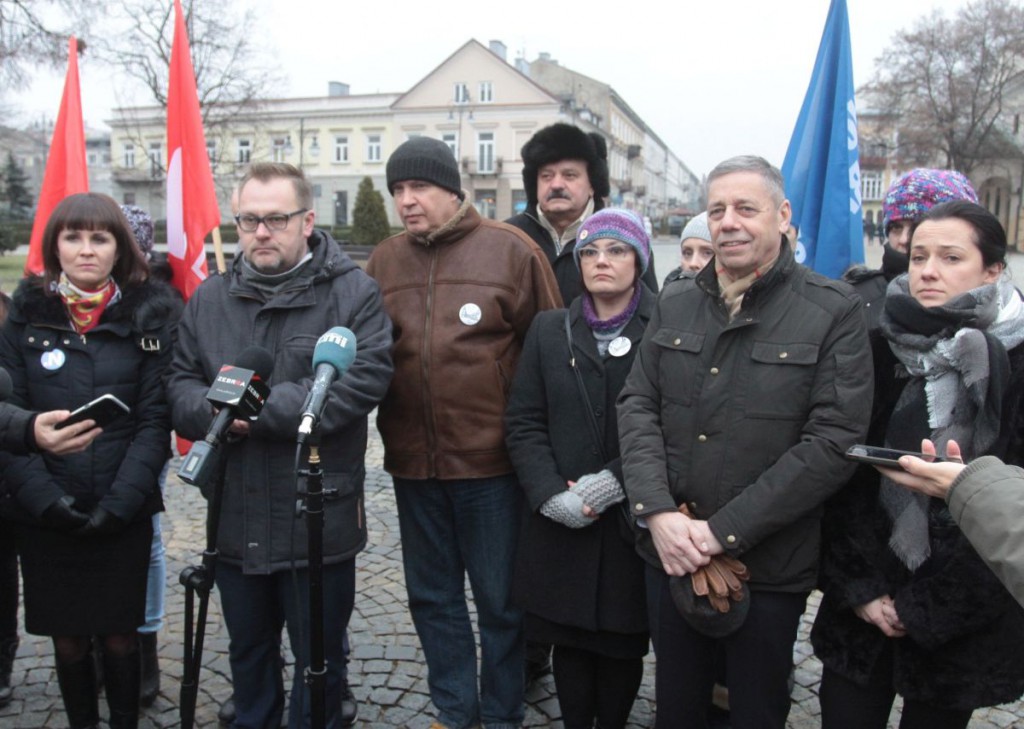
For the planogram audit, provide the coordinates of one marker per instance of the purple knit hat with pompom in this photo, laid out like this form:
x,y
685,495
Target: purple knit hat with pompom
x,y
918,191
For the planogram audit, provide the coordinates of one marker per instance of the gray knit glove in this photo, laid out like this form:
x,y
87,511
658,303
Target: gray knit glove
x,y
566,508
599,490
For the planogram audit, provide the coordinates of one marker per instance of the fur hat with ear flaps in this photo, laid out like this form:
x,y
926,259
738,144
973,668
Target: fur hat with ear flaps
x,y
564,141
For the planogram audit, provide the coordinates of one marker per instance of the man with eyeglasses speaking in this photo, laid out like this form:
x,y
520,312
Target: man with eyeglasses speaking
x,y
289,285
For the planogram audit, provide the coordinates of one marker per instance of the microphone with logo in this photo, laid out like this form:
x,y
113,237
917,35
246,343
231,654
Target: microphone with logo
x,y
333,355
240,391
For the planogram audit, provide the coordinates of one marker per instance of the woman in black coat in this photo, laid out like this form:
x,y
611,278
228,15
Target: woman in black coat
x,y
909,607
91,325
578,576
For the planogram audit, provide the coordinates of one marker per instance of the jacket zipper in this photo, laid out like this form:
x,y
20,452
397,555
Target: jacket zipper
x,y
428,410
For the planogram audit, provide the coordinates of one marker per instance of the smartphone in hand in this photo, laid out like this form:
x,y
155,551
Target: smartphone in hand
x,y
886,457
104,410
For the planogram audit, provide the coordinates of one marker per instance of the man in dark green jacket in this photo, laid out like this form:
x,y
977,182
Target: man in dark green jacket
x,y
751,381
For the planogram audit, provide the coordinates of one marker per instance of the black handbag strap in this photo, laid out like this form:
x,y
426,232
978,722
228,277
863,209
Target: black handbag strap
x,y
595,430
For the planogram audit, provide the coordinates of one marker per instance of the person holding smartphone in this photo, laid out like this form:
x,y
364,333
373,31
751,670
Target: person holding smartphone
x,y
909,607
92,324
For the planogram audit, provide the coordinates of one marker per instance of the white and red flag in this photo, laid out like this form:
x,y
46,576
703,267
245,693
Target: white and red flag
x,y
192,209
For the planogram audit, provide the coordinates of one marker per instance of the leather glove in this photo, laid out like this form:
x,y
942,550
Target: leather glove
x,y
62,516
100,522
721,580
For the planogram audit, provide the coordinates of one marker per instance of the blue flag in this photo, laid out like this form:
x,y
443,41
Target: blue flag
x,y
822,171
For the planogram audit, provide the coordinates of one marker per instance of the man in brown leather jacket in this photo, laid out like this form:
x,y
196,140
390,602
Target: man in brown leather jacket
x,y
461,291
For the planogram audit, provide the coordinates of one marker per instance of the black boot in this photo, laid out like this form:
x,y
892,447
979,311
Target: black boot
x,y
78,689
123,676
8,647
150,669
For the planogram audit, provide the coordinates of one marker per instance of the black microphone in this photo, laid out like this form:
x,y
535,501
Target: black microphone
x,y
6,385
332,356
239,391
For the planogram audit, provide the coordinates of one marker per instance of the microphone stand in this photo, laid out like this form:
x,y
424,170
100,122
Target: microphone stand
x,y
199,580
312,504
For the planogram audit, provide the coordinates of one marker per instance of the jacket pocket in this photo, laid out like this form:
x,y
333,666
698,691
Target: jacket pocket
x,y
344,515
294,360
678,363
780,381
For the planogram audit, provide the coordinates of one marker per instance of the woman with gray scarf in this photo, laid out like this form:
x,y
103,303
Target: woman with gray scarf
x,y
909,607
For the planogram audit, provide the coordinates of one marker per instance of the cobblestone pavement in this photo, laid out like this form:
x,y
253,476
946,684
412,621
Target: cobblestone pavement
x,y
387,670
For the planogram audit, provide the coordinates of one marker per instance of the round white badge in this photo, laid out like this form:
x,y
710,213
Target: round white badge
x,y
53,360
470,314
619,346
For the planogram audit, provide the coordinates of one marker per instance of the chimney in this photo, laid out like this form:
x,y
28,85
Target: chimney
x,y
499,49
337,88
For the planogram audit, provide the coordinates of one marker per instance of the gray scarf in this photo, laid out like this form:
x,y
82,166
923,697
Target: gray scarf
x,y
956,355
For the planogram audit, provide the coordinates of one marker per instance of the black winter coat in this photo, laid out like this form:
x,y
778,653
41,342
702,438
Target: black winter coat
x,y
570,281
748,420
965,633
125,355
590,578
258,529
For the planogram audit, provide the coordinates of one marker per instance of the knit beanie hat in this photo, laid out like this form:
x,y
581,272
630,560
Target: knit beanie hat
x,y
427,159
564,141
697,228
918,191
621,225
141,225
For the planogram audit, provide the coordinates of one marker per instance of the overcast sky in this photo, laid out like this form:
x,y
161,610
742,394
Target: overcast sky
x,y
712,78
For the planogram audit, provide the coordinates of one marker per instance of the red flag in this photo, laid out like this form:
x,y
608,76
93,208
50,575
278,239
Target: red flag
x,y
66,173
192,209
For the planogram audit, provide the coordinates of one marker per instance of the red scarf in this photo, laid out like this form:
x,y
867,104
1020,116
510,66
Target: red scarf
x,y
85,308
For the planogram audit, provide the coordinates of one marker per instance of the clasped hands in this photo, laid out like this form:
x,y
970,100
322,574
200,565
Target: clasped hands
x,y
881,612
684,544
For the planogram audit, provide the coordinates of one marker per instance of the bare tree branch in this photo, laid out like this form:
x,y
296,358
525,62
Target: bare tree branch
x,y
950,82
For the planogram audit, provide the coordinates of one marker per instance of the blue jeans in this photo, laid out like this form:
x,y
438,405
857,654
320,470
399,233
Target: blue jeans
x,y
157,577
449,529
256,607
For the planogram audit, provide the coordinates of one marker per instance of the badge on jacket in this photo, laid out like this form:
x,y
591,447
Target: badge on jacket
x,y
53,360
619,347
470,314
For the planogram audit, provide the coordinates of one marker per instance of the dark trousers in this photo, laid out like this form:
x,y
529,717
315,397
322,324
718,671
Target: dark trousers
x,y
758,658
256,607
8,583
591,686
847,705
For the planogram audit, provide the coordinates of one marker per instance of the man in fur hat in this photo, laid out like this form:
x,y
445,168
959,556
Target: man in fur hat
x,y
565,174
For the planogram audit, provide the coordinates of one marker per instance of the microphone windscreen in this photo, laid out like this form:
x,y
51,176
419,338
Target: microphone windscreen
x,y
337,347
6,386
257,359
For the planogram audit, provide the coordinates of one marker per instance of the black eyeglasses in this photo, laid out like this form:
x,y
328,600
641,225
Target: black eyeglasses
x,y
275,221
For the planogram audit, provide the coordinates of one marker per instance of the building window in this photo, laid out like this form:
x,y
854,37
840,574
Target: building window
x,y
92,159
211,151
279,148
129,155
870,185
486,92
341,149
485,203
485,152
373,148
452,140
244,151
155,162
461,93
129,198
